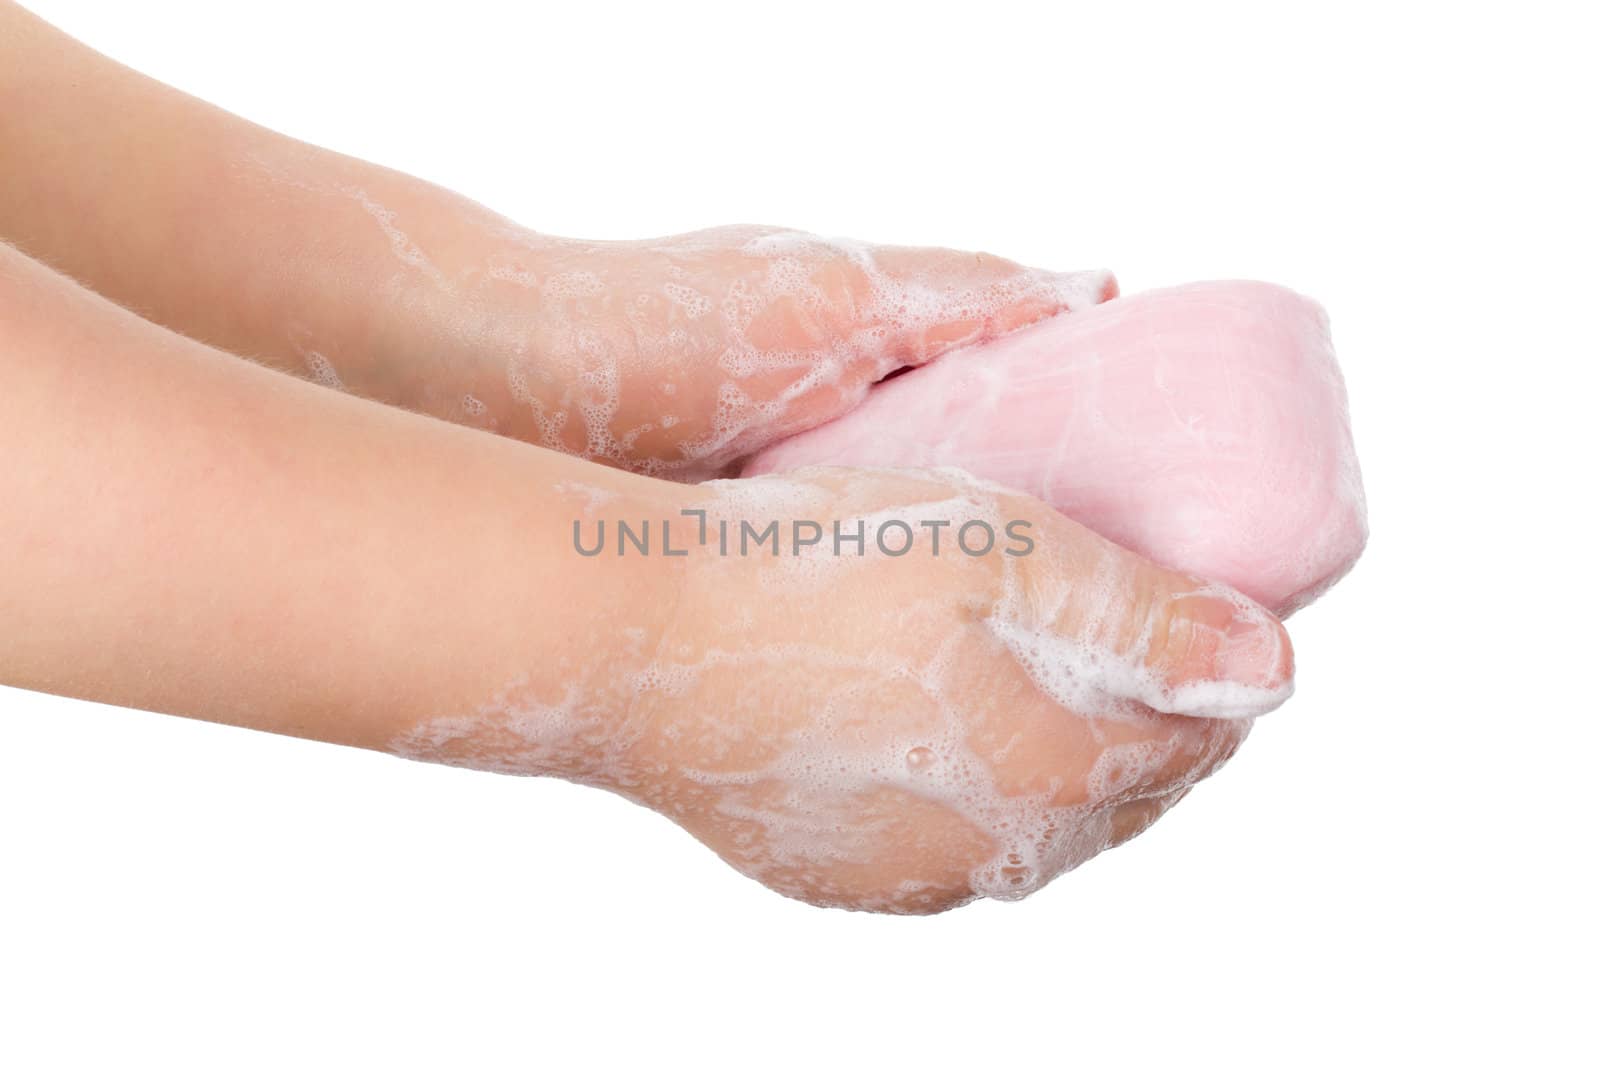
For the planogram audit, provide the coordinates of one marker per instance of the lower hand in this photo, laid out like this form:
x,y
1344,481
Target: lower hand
x,y
894,732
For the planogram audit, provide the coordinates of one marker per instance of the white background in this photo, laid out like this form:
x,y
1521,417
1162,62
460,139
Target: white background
x,y
1397,866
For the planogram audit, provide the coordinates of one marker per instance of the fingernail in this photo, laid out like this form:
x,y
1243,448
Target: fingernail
x,y
1255,650
1109,289
1254,670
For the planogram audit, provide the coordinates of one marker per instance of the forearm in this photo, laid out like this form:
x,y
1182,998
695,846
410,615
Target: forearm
x,y
228,232
190,533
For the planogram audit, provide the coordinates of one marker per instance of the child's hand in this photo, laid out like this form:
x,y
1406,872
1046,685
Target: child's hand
x,y
683,355
893,732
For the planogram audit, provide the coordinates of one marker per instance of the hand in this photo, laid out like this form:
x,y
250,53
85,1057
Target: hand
x,y
681,356
898,733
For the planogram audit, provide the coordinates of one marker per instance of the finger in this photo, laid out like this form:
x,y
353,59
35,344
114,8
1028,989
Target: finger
x,y
933,300
813,322
1095,623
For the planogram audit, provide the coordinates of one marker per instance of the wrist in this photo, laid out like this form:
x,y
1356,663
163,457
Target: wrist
x,y
565,653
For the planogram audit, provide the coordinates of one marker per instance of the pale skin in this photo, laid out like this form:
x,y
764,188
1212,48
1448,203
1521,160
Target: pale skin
x,y
199,534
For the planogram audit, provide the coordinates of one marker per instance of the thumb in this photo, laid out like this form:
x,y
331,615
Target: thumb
x,y
938,299
1097,621
1217,654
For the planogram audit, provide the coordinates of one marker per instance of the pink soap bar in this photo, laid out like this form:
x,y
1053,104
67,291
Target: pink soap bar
x,y
1205,427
